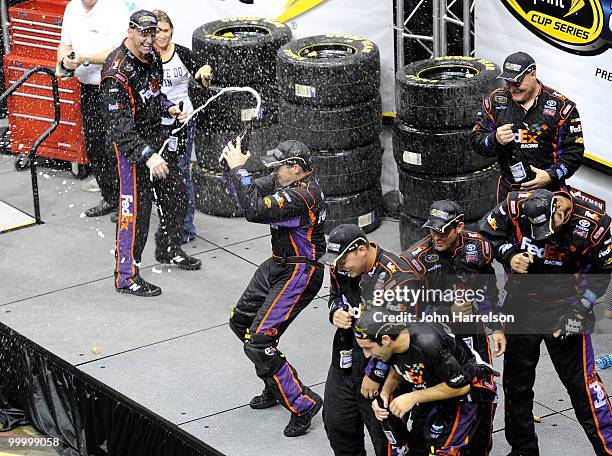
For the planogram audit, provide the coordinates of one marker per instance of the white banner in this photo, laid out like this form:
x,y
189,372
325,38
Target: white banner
x,y
372,19
544,30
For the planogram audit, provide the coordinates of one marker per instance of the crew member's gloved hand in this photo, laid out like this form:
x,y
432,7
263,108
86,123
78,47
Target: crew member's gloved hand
x,y
577,319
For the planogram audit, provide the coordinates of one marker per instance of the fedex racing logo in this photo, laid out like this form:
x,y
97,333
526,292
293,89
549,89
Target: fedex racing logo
x,y
528,137
127,213
528,245
598,395
149,92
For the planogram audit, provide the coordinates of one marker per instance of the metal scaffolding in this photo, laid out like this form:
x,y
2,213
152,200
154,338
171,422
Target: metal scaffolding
x,y
442,13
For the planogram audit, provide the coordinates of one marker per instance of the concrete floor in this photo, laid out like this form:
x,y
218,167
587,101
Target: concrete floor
x,y
175,354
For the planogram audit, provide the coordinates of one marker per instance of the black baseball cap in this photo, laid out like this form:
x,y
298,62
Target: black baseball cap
x,y
442,214
342,240
539,209
373,323
517,66
143,20
289,152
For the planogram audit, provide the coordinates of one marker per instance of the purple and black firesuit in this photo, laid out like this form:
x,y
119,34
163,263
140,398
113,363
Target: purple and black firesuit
x,y
134,105
285,283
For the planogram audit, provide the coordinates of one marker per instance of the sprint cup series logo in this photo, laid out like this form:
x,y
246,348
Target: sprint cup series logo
x,y
582,27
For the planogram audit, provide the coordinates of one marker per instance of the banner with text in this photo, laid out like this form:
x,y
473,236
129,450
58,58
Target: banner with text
x,y
571,42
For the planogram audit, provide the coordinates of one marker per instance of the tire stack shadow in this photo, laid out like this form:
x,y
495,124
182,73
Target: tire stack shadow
x,y
242,53
329,99
437,101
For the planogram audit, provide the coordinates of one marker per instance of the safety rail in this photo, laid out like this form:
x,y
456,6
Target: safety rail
x,y
42,137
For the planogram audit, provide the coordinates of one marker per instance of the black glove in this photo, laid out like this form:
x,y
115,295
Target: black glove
x,y
577,319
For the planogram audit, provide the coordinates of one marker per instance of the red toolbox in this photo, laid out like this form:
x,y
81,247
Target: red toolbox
x,y
31,112
35,29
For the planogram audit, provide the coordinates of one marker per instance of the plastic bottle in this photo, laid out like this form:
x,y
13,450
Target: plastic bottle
x,y
604,362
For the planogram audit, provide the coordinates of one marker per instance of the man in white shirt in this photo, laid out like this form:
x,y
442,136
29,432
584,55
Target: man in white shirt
x,y
90,30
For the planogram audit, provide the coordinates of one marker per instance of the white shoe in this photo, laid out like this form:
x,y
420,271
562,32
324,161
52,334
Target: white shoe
x,y
90,186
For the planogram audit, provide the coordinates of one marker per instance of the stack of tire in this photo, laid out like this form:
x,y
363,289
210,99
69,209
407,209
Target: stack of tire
x,y
437,101
242,53
329,99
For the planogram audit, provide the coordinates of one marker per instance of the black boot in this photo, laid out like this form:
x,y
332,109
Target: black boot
x,y
298,425
140,287
101,209
178,257
265,400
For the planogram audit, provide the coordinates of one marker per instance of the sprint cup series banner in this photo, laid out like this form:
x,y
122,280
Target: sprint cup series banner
x,y
372,19
571,42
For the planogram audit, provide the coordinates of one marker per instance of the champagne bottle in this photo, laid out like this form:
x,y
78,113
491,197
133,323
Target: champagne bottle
x,y
244,136
519,167
394,428
67,72
345,342
173,144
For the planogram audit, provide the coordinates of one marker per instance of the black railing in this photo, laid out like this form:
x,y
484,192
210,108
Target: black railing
x,y
45,135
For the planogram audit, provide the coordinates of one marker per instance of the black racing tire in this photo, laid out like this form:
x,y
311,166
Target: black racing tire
x,y
211,194
392,203
410,230
344,172
331,127
443,92
209,144
363,209
474,192
439,152
328,70
240,50
230,110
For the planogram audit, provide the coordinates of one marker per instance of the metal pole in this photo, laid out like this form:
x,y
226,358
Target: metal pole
x,y
467,28
443,37
436,28
5,27
399,30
